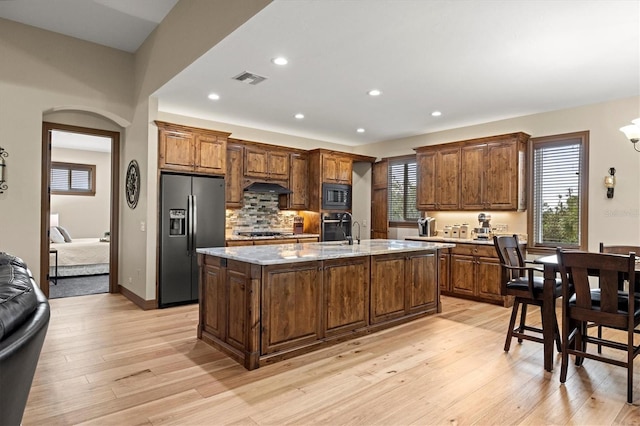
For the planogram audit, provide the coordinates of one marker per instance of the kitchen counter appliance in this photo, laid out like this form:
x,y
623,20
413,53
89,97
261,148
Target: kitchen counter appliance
x,y
483,232
427,227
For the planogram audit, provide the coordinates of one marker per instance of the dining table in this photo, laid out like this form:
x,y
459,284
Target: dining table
x,y
550,271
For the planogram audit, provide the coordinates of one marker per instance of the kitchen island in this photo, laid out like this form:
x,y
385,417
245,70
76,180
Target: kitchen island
x,y
262,304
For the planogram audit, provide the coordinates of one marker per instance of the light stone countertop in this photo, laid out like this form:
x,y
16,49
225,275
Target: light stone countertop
x,y
303,252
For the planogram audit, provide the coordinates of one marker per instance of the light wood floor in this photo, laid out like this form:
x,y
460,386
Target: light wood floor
x,y
107,362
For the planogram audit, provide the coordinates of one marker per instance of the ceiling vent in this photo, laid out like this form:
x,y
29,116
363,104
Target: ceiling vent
x,y
250,78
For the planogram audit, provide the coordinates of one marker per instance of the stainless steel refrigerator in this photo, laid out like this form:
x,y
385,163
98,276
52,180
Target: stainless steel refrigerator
x,y
192,215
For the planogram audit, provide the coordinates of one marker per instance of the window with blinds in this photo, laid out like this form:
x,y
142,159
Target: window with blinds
x,y
401,190
73,179
559,206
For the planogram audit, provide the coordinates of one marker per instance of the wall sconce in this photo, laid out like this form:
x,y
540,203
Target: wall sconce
x,y
610,182
3,182
632,132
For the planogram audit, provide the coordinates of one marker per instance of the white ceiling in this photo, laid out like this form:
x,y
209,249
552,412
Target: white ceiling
x,y
475,61
121,24
71,140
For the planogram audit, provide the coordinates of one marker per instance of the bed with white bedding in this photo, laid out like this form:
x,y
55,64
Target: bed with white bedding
x,y
82,256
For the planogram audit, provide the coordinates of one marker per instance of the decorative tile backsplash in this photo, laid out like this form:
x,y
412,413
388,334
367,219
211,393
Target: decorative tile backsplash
x,y
260,212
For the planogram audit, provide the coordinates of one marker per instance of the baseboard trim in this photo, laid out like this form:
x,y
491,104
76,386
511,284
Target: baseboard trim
x,y
145,305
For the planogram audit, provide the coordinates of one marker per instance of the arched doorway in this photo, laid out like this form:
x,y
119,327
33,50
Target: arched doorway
x,y
47,130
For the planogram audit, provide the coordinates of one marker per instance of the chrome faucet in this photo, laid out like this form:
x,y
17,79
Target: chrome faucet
x,y
349,238
355,222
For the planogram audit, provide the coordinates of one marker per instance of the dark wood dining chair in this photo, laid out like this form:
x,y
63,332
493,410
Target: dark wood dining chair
x,y
622,278
598,302
518,280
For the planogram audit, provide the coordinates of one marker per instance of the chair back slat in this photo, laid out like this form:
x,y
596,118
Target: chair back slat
x,y
608,282
581,286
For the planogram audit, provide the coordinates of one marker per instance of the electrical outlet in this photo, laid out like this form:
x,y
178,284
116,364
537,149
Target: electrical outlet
x,y
142,226
501,227
130,280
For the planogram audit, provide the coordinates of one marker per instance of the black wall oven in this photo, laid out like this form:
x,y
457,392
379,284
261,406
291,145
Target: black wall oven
x,y
335,226
336,196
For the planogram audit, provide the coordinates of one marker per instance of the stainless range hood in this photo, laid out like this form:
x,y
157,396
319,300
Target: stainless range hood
x,y
268,188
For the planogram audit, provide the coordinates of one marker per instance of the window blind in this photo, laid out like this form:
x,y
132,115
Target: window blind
x,y
67,178
557,194
402,182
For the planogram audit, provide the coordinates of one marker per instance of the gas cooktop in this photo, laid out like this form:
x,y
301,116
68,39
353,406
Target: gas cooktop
x,y
263,233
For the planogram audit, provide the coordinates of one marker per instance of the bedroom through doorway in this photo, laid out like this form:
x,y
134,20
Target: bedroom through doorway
x,y
79,213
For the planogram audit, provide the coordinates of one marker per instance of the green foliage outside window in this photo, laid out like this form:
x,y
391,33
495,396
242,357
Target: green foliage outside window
x,y
561,224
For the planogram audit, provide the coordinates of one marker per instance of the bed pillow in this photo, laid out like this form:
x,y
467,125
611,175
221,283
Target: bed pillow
x,y
55,236
65,234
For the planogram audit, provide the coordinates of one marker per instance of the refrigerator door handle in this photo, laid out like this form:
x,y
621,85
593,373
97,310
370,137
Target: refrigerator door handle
x,y
194,227
189,225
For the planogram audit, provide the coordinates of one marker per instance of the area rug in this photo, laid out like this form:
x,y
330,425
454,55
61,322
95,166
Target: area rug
x,y
79,286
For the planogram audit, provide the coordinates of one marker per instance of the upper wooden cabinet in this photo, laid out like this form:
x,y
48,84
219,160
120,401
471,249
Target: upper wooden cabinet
x,y
330,167
336,169
438,179
190,149
478,174
266,163
234,194
298,183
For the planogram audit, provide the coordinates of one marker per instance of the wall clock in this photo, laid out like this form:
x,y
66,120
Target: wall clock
x,y
132,184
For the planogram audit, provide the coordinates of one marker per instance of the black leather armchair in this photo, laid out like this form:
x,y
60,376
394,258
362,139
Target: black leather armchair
x,y
24,319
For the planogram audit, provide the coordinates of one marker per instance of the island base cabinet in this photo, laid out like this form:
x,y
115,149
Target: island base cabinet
x,y
422,282
213,298
291,306
263,314
346,288
402,284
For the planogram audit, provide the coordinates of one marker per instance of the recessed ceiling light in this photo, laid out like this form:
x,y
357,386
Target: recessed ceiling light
x,y
374,92
436,113
360,130
213,96
280,60
299,116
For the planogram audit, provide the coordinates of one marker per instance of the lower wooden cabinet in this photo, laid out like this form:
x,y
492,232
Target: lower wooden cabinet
x,y
443,269
346,290
214,299
263,314
474,272
401,284
291,306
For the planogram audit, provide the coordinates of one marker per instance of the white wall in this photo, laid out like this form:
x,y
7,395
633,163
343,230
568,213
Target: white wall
x,y
40,72
85,216
614,220
361,200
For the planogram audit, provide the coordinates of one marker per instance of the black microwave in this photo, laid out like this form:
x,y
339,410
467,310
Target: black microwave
x,y
336,196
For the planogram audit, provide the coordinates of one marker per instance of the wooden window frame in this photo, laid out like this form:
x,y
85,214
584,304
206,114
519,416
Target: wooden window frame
x,y
550,141
91,168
